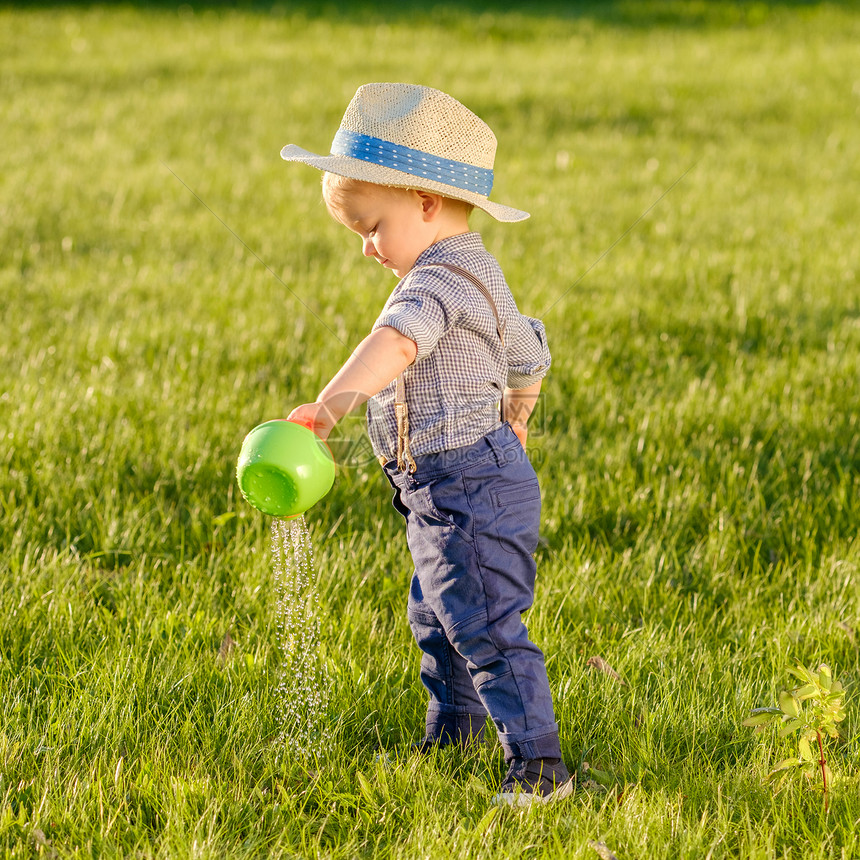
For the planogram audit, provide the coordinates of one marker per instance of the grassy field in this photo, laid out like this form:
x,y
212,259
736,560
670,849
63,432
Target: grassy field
x,y
167,283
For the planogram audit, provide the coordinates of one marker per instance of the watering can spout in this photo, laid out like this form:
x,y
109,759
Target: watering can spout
x,y
284,468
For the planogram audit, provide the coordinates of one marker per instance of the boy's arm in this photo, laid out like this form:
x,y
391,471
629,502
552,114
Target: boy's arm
x,y
517,406
380,358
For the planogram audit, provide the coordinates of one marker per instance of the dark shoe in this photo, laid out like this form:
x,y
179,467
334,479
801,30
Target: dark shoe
x,y
538,780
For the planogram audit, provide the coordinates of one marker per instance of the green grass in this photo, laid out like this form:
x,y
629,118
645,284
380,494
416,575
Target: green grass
x,y
167,283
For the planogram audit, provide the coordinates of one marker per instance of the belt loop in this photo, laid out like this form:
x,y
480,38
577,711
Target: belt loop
x,y
496,447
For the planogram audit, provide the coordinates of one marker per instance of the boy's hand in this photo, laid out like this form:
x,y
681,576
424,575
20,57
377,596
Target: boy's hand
x,y
379,358
517,405
521,431
317,416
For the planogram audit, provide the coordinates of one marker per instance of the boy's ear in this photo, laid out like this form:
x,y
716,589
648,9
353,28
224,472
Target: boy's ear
x,y
431,204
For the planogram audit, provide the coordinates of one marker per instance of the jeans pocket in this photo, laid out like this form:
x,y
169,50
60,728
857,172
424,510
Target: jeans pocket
x,y
527,491
430,503
517,509
398,505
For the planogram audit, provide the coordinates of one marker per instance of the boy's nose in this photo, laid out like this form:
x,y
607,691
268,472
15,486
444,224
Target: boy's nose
x,y
367,248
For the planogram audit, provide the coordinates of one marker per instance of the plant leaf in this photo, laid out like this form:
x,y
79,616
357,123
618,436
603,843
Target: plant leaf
x,y
807,691
789,705
790,726
803,674
487,820
601,777
805,750
765,716
780,780
365,787
785,764
223,518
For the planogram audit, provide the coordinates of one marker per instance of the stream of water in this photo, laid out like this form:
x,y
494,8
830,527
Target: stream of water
x,y
303,688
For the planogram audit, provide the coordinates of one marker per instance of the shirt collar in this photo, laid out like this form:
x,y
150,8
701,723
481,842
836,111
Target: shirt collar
x,y
459,244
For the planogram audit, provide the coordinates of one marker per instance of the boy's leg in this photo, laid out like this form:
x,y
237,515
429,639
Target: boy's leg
x,y
455,713
472,535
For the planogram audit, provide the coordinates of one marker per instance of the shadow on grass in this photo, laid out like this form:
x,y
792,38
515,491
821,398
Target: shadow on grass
x,y
634,14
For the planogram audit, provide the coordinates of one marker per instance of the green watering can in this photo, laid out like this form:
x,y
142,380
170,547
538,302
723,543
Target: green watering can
x,y
284,468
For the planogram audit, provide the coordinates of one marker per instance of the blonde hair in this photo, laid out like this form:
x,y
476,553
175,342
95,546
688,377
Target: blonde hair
x,y
336,189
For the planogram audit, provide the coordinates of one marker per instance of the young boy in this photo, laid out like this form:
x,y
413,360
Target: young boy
x,y
406,168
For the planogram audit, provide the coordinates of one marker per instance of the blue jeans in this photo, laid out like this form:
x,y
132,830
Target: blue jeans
x,y
472,517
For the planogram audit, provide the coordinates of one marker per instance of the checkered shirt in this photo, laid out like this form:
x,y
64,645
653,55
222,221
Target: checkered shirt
x,y
462,368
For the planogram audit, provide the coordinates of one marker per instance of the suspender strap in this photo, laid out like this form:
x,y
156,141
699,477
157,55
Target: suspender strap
x,y
405,461
401,413
482,289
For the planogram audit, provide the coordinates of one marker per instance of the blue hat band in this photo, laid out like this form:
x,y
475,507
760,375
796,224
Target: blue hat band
x,y
458,174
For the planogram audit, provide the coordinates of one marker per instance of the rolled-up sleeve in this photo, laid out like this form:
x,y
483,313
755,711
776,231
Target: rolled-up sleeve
x,y
418,311
528,353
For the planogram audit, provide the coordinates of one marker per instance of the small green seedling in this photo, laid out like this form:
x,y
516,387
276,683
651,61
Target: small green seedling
x,y
813,710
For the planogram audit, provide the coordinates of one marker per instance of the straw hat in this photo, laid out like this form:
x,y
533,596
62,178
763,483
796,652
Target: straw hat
x,y
413,137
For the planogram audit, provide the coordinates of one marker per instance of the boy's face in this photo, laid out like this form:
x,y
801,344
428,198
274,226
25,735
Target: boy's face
x,y
391,222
